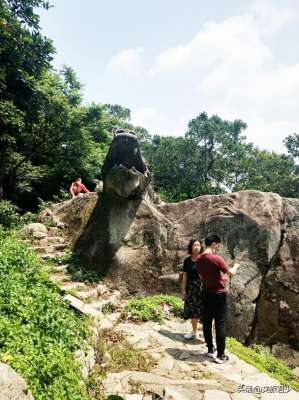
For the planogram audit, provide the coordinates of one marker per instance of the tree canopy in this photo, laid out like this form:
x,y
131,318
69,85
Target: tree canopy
x,y
48,136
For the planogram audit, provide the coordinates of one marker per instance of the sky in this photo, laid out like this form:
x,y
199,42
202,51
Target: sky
x,y
169,60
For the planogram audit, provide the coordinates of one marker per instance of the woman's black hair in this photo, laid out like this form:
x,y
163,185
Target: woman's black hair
x,y
190,245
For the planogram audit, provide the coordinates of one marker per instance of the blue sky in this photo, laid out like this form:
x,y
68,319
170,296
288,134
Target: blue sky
x,y
169,60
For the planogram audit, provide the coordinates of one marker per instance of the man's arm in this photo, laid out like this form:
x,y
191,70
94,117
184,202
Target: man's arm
x,y
84,189
232,271
72,191
225,268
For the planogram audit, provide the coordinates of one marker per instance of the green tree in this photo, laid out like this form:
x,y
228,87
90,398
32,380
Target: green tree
x,y
292,144
24,56
214,157
220,145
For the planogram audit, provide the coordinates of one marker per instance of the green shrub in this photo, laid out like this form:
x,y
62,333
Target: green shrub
x,y
115,354
262,359
151,308
9,214
108,308
38,332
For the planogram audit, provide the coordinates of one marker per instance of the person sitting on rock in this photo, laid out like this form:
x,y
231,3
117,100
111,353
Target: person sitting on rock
x,y
211,268
77,188
191,288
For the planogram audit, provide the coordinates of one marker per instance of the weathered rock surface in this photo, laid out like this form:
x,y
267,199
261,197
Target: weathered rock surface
x,y
194,377
134,242
12,385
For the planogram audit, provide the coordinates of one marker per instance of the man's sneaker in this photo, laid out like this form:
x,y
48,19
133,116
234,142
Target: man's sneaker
x,y
221,359
190,335
211,353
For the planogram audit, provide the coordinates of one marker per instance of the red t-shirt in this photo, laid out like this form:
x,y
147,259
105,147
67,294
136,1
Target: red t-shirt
x,y
79,188
209,267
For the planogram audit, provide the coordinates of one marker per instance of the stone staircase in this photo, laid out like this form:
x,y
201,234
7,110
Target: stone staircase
x,y
88,298
182,372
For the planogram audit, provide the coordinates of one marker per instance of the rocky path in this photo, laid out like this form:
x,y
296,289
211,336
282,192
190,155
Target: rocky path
x,y
183,371
88,298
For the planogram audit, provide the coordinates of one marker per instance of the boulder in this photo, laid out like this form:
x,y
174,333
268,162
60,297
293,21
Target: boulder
x,y
133,241
12,385
36,230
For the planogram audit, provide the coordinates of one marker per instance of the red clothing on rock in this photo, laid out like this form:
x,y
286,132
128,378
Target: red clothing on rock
x,y
209,266
79,188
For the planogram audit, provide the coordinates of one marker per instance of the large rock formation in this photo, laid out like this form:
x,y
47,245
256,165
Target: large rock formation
x,y
133,242
12,385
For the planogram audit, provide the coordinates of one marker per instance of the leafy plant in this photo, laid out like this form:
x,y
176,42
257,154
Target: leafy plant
x,y
9,214
115,354
262,359
38,332
108,308
152,308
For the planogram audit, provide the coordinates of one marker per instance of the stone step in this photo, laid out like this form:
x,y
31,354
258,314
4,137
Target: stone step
x,y
51,240
60,277
80,306
60,246
42,249
55,231
51,256
90,293
64,287
60,268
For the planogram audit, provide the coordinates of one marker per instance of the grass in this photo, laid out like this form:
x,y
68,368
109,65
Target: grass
x,y
75,267
262,359
115,354
152,308
38,332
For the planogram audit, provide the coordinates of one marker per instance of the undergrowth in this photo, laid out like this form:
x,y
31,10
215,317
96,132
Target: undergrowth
x,y
78,271
38,332
262,359
152,308
115,354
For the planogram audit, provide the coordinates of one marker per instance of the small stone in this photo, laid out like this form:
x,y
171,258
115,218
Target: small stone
x,y
12,385
184,356
133,397
216,394
71,286
36,230
173,393
102,289
104,324
242,396
167,363
296,371
82,307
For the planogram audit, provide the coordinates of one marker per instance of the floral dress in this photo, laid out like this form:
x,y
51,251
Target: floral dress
x,y
193,300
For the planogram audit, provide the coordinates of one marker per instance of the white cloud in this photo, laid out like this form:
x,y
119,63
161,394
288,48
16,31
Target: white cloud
x,y
232,67
127,62
235,41
157,122
273,15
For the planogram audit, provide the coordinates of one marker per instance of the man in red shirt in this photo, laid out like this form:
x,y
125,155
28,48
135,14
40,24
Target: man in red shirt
x,y
211,268
77,188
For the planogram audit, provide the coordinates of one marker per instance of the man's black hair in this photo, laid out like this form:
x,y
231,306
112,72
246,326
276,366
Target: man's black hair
x,y
212,238
190,245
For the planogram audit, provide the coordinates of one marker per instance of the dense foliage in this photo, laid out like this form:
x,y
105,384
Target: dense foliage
x,y
38,333
48,137
262,359
152,308
213,157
